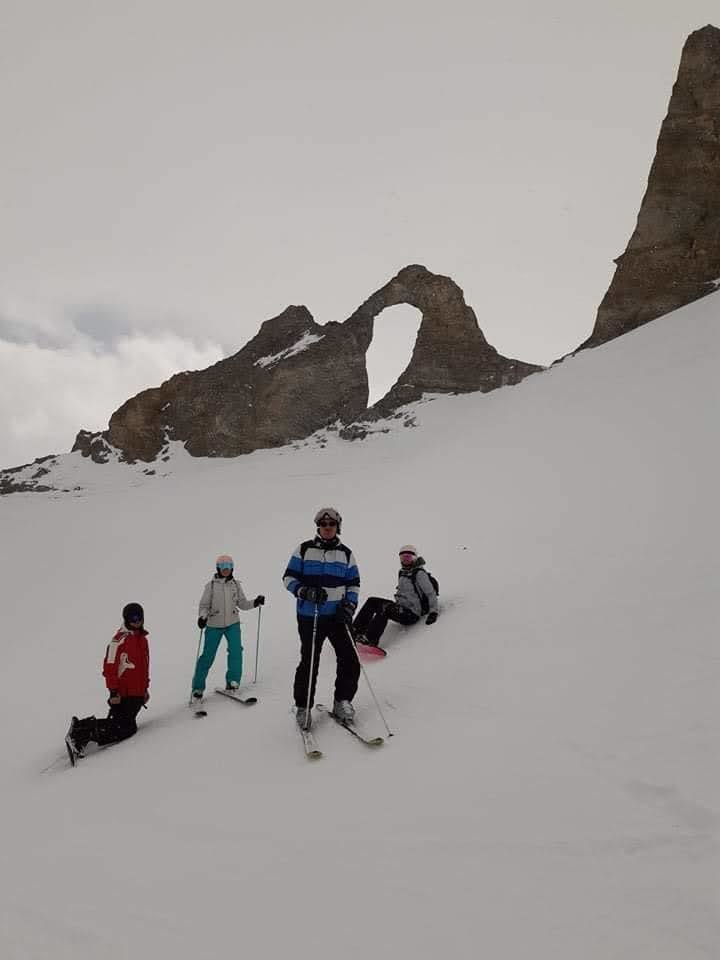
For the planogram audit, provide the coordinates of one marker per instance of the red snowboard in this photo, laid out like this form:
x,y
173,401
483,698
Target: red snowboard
x,y
368,653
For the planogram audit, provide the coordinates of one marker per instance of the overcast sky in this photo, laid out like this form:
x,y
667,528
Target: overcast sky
x,y
176,172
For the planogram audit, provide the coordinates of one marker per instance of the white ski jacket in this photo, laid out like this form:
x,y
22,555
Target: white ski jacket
x,y
411,583
221,600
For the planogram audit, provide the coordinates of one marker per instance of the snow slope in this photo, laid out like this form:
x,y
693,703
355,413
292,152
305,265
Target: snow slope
x,y
552,787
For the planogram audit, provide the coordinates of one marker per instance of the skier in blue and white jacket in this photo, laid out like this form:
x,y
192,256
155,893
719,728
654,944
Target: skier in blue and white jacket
x,y
323,575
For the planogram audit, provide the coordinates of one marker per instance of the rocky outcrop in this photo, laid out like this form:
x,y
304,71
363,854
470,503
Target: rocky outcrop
x,y
93,445
673,256
29,477
451,355
296,377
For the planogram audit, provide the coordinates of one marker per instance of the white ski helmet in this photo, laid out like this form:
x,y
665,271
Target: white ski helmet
x,y
331,513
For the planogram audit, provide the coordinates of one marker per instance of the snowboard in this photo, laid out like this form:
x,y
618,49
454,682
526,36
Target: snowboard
x,y
73,753
368,653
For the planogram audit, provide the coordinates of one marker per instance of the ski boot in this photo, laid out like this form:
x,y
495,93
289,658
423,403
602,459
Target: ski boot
x,y
303,717
361,638
81,733
344,711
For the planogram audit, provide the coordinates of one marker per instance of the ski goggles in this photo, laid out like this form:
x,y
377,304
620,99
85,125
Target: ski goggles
x,y
406,555
325,522
225,566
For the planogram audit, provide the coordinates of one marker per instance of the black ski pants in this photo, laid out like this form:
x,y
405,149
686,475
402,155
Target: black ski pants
x,y
374,616
120,723
348,666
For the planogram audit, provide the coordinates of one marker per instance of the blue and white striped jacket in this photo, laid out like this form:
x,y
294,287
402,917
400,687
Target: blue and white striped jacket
x,y
323,563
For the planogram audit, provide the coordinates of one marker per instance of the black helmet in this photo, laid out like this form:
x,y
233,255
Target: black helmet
x,y
133,612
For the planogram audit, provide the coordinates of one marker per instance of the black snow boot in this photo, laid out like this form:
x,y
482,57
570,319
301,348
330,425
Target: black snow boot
x,y
82,732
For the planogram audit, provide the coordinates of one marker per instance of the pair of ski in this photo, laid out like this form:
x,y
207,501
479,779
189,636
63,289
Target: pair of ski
x,y
199,708
310,744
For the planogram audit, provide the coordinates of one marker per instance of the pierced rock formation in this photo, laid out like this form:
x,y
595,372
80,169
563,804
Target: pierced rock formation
x,y
673,256
296,377
451,355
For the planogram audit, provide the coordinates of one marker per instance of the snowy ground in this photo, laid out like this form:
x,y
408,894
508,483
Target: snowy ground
x,y
552,789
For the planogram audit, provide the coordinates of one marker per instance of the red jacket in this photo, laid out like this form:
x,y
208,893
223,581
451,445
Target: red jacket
x,y
126,666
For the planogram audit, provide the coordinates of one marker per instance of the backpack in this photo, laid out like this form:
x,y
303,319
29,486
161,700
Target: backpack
x,y
424,603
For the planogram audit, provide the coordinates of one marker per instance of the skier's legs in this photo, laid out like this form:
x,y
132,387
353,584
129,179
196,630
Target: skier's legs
x,y
388,611
234,653
120,724
377,625
348,665
401,615
367,614
213,635
302,674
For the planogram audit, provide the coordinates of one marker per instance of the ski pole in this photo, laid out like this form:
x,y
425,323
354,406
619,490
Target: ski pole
x,y
197,657
257,644
367,680
312,667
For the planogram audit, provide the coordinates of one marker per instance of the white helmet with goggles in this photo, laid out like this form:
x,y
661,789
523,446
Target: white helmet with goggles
x,y
325,514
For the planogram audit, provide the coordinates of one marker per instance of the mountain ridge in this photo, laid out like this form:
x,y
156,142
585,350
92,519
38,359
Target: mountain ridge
x,y
296,377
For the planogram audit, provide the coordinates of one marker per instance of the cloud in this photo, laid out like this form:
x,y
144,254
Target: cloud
x,y
32,323
61,374
103,325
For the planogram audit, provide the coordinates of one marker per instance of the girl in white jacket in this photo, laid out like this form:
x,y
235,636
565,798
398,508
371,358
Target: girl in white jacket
x,y
218,616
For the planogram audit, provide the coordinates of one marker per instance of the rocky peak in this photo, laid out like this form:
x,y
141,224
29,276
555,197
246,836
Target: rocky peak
x,y
673,256
293,377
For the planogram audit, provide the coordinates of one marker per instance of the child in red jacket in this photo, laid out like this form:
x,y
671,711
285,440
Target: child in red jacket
x,y
126,669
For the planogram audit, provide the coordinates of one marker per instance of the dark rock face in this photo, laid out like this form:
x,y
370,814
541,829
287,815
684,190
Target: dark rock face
x,y
296,377
451,354
673,256
93,445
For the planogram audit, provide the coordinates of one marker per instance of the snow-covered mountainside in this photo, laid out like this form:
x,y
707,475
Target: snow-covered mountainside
x,y
551,791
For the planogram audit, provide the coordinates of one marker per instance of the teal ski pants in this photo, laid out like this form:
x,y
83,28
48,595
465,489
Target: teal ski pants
x,y
213,636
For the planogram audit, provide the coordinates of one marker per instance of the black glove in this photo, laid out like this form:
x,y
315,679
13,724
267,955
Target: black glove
x,y
313,594
202,621
259,600
431,618
114,698
345,612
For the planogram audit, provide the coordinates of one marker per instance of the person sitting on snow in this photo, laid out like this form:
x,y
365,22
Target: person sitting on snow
x,y
415,596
